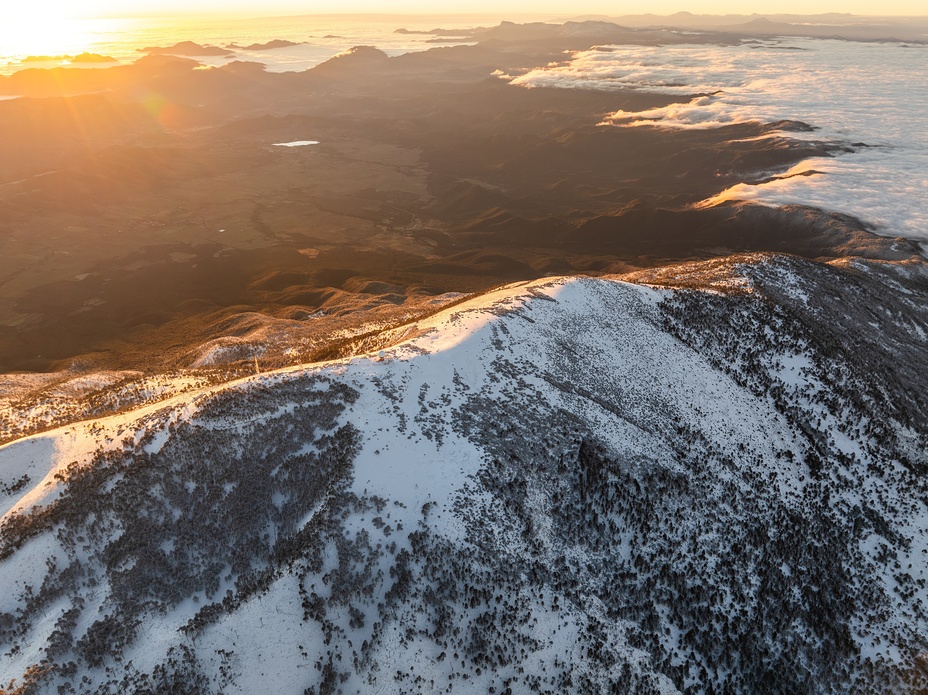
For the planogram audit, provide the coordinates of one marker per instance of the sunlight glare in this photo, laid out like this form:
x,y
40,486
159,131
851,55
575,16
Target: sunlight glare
x,y
44,28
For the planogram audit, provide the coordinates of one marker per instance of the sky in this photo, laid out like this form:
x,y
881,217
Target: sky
x,y
21,11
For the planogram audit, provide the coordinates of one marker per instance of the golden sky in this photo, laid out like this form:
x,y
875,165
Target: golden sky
x,y
22,10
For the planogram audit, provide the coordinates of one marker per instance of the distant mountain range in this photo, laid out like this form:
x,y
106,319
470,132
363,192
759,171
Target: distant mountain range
x,y
708,477
832,24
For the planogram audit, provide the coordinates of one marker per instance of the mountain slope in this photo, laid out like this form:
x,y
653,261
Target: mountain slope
x,y
574,484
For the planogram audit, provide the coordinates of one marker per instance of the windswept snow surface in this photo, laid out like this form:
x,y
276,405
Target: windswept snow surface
x,y
571,485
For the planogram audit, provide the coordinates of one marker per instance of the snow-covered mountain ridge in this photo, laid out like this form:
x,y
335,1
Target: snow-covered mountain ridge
x,y
570,485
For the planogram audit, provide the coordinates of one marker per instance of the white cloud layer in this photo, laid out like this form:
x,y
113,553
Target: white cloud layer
x,y
872,93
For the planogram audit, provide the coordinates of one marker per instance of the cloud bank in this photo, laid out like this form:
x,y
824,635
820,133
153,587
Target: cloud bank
x,y
872,97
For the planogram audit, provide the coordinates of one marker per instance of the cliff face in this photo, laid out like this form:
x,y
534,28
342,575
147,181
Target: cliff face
x,y
573,484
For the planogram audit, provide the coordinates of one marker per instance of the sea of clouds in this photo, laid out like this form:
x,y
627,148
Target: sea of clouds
x,y
317,38
871,96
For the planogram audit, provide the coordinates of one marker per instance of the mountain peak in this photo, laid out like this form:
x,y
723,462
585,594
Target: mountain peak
x,y
540,461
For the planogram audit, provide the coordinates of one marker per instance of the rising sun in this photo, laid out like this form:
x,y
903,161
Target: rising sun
x,y
43,28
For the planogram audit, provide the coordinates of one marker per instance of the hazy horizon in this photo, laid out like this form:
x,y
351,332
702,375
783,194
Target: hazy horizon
x,y
47,9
